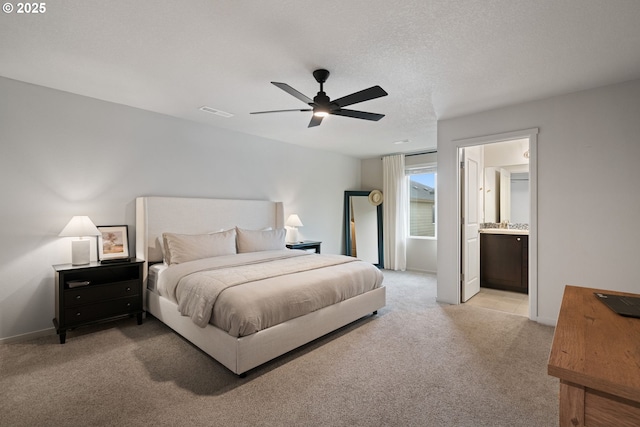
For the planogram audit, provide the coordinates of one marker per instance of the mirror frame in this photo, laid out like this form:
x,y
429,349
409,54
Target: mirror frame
x,y
347,230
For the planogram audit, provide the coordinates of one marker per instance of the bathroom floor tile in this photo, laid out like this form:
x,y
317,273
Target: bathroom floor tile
x,y
494,299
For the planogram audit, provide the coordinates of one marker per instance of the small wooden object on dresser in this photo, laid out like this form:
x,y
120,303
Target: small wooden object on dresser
x,y
306,244
596,355
95,292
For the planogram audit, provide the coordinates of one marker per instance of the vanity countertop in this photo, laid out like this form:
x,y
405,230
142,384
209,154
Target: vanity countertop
x,y
504,231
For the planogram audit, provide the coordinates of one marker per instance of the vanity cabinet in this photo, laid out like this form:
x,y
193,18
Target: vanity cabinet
x,y
504,262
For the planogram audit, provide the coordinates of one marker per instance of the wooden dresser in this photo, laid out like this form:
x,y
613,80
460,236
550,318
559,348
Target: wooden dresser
x,y
596,355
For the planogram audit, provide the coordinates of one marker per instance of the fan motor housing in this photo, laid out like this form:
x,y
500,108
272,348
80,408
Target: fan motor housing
x,y
322,99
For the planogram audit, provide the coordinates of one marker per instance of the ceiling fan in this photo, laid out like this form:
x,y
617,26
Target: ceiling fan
x,y
322,106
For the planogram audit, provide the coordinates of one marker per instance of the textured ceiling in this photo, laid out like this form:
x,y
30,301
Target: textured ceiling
x,y
436,59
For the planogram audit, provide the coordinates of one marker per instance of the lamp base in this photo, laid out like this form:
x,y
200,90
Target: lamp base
x,y
80,251
293,235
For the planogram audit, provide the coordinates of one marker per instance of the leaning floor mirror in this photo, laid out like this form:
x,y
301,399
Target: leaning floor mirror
x,y
363,225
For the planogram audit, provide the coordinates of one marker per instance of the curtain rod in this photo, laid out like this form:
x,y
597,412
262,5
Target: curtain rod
x,y
416,153
420,153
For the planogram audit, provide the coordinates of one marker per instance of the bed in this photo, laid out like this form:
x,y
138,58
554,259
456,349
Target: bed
x,y
242,348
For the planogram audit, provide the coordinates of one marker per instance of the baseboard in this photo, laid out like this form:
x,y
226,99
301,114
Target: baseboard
x,y
417,270
28,336
546,321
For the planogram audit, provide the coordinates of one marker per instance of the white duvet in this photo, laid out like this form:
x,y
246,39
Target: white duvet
x,y
245,293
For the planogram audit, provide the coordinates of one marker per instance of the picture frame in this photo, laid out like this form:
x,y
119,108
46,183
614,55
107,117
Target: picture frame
x,y
113,243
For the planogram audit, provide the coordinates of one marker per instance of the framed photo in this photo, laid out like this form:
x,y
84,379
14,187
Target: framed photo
x,y
113,243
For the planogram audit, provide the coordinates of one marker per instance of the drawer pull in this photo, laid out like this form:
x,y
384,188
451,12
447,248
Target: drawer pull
x,y
128,304
128,288
77,296
78,314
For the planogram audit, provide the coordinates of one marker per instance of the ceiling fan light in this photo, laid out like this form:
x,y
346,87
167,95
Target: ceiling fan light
x,y
321,113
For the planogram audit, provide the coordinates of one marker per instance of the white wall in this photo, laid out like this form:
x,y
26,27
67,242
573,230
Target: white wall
x,y
421,253
588,143
508,153
63,155
372,174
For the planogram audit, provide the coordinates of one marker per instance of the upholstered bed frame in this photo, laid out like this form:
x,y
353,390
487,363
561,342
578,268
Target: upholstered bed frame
x,y
155,215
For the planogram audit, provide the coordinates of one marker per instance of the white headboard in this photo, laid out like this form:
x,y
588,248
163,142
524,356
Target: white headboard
x,y
156,215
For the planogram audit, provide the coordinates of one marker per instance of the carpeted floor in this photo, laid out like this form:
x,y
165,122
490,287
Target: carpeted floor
x,y
417,363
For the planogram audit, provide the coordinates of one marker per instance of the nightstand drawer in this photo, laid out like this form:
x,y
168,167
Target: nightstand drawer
x,y
103,310
89,294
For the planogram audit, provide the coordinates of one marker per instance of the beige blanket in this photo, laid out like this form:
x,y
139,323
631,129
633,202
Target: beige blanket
x,y
245,293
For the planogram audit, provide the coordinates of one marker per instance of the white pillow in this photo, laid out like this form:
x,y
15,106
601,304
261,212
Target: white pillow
x,y
188,247
260,240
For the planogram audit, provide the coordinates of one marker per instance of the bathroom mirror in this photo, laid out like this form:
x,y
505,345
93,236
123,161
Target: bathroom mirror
x,y
363,227
506,194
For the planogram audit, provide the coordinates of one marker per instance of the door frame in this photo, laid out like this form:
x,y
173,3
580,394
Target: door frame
x,y
532,135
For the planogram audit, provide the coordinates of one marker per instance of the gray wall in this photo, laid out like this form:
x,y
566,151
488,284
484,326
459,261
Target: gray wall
x,y
63,155
588,144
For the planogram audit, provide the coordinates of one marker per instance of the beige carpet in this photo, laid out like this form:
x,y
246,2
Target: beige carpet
x,y
417,363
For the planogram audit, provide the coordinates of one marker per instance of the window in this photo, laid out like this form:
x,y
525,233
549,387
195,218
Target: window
x,y
422,201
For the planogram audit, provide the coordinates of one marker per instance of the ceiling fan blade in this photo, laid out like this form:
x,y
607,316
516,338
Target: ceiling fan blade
x,y
357,114
280,111
291,91
315,121
364,95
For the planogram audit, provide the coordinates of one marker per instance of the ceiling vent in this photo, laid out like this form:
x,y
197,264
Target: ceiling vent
x,y
216,112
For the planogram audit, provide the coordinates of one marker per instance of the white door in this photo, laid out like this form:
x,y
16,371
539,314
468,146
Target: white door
x,y
470,274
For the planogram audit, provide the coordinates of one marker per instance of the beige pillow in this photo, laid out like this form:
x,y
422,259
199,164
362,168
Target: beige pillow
x,y
260,240
188,247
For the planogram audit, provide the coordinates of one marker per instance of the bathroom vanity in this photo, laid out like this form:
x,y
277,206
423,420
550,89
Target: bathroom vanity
x,y
504,259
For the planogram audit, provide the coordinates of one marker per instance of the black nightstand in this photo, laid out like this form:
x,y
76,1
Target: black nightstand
x,y
95,292
306,244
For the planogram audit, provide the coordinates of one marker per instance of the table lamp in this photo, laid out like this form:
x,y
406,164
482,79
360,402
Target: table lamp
x,y
293,222
80,226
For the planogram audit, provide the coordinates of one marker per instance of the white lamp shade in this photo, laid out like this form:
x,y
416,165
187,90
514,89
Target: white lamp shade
x,y
79,226
293,221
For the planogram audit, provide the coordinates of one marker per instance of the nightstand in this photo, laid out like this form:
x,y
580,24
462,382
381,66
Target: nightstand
x,y
95,292
306,244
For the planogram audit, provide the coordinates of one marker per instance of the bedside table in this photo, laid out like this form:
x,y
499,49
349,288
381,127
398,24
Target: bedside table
x,y
91,293
305,244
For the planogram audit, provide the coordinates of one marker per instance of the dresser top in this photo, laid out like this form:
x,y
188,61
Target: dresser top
x,y
595,347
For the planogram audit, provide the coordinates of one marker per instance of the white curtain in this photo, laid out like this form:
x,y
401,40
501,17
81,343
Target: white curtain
x,y
394,209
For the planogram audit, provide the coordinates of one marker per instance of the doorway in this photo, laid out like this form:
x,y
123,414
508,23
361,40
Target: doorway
x,y
513,154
